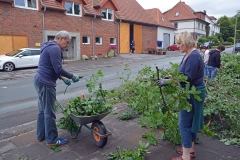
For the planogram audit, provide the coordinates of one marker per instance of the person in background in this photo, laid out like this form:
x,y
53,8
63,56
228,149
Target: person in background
x,y
190,123
205,51
214,62
132,47
49,70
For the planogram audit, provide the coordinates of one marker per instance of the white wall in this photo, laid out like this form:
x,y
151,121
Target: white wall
x,y
190,26
162,30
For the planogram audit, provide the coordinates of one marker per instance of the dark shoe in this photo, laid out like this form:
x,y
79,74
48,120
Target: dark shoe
x,y
179,151
179,158
60,141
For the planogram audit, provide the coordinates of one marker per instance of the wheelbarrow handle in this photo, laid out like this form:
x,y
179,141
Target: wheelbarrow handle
x,y
59,104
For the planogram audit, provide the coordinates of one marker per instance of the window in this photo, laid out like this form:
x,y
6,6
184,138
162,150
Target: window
x,y
35,52
162,19
86,40
26,53
177,14
98,40
198,25
73,8
202,26
176,25
112,41
29,4
107,14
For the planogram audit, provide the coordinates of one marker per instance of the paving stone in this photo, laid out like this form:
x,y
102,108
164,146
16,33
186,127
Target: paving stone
x,y
6,146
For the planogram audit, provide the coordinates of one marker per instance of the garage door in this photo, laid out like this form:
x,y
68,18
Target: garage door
x,y
166,40
138,38
124,38
9,43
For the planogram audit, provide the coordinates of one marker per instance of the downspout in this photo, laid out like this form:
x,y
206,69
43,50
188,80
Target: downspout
x,y
43,19
118,47
93,34
194,29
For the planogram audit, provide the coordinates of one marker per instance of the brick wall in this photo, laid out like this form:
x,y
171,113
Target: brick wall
x,y
149,37
27,22
17,21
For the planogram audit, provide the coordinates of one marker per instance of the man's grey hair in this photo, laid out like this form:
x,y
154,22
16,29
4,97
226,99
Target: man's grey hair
x,y
63,34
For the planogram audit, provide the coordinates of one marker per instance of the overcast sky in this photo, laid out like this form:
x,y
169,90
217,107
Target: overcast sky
x,y
216,8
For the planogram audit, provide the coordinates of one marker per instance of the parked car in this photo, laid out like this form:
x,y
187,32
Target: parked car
x,y
207,44
172,47
236,49
23,57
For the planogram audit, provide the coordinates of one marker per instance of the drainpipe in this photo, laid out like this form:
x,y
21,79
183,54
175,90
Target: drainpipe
x,y
93,35
43,24
119,36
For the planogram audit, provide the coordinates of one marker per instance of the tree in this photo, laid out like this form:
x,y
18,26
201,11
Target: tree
x,y
226,27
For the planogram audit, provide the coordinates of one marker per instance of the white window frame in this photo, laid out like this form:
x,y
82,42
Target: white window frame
x,y
26,5
88,40
73,14
100,38
177,14
114,40
107,10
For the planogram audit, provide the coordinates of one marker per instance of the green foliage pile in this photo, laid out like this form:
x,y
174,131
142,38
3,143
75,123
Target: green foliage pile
x,y
222,104
98,103
129,154
158,109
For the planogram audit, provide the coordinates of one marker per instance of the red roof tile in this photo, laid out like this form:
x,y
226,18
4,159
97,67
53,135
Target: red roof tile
x,y
185,12
160,18
131,10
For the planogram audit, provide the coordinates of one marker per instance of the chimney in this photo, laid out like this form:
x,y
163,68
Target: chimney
x,y
204,11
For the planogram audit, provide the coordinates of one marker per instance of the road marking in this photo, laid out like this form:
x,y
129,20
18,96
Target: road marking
x,y
4,87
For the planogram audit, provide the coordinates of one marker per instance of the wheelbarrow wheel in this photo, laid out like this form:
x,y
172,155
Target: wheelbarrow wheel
x,y
99,127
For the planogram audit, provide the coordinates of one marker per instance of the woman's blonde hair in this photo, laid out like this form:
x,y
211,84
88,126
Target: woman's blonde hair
x,y
185,38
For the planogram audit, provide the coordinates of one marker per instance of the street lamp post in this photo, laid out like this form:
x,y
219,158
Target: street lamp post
x,y
235,33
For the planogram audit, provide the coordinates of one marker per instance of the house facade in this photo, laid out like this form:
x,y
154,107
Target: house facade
x,y
95,25
184,18
213,26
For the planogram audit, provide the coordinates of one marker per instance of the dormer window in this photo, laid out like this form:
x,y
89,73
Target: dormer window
x,y
73,8
163,19
107,14
177,14
26,4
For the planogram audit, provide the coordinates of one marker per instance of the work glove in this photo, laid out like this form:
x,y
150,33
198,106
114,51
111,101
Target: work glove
x,y
75,78
162,82
66,81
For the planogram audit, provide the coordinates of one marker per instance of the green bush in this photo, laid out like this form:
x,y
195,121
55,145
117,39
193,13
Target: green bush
x,y
230,39
201,40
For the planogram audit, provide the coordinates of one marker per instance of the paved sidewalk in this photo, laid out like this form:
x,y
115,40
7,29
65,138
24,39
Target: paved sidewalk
x,y
125,134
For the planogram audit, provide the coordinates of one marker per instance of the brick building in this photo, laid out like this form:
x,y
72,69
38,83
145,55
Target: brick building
x,y
95,25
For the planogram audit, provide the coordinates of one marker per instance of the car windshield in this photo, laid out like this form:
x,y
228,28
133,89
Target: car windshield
x,y
237,44
13,53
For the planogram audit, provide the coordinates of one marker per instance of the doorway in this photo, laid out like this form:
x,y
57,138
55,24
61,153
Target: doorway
x,y
68,54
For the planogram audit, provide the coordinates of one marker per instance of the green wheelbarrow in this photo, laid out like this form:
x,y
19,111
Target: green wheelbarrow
x,y
98,130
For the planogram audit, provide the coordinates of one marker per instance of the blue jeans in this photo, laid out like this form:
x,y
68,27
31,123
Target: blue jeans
x,y
212,72
185,125
46,120
205,71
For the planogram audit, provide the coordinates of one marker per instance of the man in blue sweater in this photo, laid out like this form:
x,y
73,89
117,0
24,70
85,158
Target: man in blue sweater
x,y
49,70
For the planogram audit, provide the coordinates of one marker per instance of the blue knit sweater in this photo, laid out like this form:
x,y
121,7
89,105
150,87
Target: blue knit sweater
x,y
50,64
